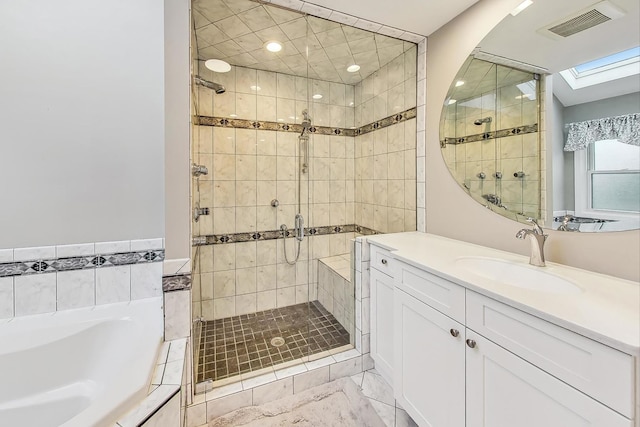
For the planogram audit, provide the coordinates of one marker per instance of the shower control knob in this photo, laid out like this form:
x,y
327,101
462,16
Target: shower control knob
x,y
454,332
519,174
498,175
482,175
275,203
471,343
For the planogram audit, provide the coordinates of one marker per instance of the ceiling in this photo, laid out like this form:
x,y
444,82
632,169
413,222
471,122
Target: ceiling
x,y
481,77
517,38
237,30
418,16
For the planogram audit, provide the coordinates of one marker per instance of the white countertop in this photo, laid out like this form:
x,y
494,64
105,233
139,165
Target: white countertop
x,y
607,310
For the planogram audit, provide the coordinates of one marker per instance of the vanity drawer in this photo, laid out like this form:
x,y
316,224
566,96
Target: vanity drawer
x,y
595,369
381,260
436,292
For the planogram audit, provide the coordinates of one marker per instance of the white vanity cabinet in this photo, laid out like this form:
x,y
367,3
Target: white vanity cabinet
x,y
504,390
430,356
382,341
463,359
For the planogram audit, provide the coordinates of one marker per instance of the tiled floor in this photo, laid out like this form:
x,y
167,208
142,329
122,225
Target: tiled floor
x,y
380,396
240,344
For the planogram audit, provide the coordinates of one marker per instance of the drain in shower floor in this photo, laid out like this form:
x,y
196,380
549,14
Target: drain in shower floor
x,y
277,341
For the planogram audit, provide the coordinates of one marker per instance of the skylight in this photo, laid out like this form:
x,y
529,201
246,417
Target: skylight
x,y
605,69
608,60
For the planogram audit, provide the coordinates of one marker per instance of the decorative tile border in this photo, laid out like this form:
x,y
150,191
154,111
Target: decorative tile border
x,y
53,265
521,130
176,282
297,128
218,239
388,121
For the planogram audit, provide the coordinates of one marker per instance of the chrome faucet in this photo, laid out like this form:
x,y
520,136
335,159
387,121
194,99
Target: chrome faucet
x,y
537,239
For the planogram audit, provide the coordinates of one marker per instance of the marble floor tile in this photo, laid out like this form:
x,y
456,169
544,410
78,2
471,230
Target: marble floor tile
x,y
386,412
376,388
403,419
357,378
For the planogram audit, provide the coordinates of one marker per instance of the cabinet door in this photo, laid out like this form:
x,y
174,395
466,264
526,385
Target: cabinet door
x,y
504,390
429,371
382,347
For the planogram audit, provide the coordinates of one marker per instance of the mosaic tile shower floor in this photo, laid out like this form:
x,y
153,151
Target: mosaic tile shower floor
x,y
240,344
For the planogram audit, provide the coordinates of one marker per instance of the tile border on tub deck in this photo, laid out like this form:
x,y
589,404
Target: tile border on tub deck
x,y
165,384
54,265
176,282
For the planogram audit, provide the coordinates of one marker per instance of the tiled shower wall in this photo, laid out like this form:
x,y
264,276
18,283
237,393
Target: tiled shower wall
x,y
249,168
385,163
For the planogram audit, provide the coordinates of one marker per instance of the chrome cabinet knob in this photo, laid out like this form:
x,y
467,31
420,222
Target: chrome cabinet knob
x,y
454,332
384,261
471,343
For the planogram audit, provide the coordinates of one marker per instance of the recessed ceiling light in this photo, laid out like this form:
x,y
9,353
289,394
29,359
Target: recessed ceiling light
x,y
459,83
273,46
217,65
353,68
317,96
254,87
452,101
522,6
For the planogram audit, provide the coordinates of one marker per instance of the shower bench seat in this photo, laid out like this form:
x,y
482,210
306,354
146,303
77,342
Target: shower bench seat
x,y
336,291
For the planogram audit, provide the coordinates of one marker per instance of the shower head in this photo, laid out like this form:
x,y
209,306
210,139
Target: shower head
x,y
306,120
478,122
216,87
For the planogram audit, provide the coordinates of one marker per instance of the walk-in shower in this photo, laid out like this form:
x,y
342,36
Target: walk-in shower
x,y
289,147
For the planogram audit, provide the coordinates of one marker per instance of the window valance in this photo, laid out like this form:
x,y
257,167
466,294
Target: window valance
x,y
625,129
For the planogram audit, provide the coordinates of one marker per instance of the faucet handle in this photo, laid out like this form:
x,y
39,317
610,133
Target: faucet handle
x,y
536,227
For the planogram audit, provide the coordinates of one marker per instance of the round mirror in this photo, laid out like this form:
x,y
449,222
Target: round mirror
x,y
543,119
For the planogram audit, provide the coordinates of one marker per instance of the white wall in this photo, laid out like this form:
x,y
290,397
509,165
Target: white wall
x,y
177,123
563,194
81,121
452,213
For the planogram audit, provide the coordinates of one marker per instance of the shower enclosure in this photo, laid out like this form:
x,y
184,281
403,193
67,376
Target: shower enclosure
x,y
283,154
491,142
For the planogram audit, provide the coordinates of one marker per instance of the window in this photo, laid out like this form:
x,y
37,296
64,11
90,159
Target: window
x,y
612,67
608,180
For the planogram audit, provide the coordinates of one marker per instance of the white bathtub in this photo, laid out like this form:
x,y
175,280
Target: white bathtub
x,y
81,368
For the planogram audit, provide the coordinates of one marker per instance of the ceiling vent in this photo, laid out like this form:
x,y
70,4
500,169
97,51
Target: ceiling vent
x,y
583,20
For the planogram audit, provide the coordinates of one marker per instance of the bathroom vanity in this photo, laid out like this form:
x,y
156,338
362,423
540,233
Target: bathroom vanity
x,y
473,336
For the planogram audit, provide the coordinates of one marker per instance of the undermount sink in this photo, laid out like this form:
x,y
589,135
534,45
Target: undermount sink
x,y
517,275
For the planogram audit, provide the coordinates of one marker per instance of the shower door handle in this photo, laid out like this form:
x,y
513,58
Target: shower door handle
x,y
299,227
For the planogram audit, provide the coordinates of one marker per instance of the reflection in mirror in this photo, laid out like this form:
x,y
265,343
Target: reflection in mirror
x,y
489,137
581,171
